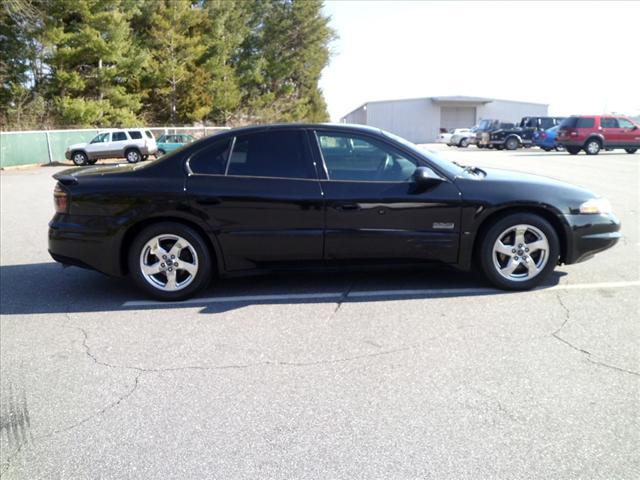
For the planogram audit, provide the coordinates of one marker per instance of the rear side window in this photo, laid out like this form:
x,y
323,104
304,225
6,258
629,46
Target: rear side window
x,y
212,159
585,122
118,136
148,134
608,122
271,154
135,135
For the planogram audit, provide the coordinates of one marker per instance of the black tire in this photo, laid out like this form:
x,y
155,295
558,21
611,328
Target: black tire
x,y
159,153
631,150
573,150
203,256
145,157
79,158
92,162
592,146
464,143
133,155
546,149
480,146
486,251
499,147
511,143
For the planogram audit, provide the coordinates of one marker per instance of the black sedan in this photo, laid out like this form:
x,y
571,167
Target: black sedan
x,y
285,196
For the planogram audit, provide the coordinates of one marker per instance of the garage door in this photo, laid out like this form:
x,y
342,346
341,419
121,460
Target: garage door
x,y
457,117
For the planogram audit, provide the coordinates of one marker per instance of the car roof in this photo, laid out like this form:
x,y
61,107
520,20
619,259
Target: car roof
x,y
347,127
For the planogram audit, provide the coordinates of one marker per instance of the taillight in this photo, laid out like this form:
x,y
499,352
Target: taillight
x,y
60,199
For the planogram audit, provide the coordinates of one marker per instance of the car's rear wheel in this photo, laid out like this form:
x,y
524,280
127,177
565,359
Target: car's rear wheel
x,y
133,155
546,149
145,157
464,143
631,150
592,146
170,261
499,147
79,158
573,150
92,161
519,251
160,153
512,143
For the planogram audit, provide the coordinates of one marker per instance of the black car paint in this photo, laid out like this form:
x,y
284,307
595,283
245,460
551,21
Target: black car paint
x,y
270,223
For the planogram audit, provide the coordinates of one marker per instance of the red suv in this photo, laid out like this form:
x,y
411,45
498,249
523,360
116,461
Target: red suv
x,y
592,133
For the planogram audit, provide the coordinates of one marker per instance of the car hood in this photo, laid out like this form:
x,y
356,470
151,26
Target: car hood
x,y
506,186
77,145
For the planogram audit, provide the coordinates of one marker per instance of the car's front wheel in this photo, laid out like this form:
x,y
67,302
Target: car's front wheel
x,y
519,251
133,155
79,158
160,153
631,150
170,261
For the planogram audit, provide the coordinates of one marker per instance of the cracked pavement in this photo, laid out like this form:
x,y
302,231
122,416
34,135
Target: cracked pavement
x,y
542,384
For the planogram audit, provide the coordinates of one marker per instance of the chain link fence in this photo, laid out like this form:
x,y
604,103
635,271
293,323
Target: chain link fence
x,y
48,146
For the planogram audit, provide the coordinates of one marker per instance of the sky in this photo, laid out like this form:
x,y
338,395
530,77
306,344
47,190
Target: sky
x,y
578,57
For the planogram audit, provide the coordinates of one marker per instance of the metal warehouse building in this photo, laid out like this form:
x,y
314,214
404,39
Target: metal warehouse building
x,y
420,119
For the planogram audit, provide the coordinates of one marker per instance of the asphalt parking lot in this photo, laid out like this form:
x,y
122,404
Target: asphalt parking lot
x,y
400,374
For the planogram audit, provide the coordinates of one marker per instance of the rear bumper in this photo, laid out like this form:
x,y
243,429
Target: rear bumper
x,y
590,234
86,241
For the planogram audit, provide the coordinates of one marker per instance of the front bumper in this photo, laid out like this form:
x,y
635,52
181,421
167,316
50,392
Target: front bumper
x,y
86,241
590,234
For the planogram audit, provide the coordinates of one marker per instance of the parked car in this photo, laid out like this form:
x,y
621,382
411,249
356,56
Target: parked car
x,y
522,134
134,144
287,196
546,139
486,127
170,142
463,137
592,133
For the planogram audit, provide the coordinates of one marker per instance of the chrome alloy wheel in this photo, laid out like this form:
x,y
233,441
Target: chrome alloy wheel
x,y
168,262
593,147
520,252
133,156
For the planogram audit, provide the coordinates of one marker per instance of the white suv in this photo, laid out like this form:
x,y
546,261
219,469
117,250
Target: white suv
x,y
134,144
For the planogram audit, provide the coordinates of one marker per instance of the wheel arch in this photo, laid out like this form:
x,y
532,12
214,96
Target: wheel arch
x,y
597,136
543,211
133,230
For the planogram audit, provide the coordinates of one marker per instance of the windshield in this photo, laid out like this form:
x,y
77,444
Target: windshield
x,y
444,165
485,124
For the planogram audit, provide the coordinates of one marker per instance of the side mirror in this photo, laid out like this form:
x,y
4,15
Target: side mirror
x,y
424,177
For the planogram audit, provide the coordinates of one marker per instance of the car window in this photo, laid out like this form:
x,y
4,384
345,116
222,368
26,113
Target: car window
x,y
354,158
101,138
148,134
546,123
608,122
212,159
624,123
118,136
584,122
280,154
135,135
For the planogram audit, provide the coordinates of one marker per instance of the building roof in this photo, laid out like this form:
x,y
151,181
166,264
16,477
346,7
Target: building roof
x,y
445,99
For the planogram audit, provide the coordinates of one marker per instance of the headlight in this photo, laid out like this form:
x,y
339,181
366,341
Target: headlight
x,y
596,205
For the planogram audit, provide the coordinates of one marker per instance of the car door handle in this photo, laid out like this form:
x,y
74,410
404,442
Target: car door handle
x,y
208,201
348,206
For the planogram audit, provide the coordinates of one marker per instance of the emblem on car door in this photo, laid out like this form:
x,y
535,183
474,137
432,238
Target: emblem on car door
x,y
443,225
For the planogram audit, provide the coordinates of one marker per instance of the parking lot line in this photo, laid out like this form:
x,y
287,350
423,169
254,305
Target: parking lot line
x,y
372,294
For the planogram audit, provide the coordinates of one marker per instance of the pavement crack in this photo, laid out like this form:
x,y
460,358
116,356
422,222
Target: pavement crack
x,y
343,297
589,355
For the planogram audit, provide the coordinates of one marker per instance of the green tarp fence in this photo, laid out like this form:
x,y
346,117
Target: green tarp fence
x,y
33,147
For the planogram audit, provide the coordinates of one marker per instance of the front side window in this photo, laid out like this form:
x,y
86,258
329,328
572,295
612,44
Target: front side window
x,y
212,159
353,158
624,123
101,138
609,122
119,136
280,154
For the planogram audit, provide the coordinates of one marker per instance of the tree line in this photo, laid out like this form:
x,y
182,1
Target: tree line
x,y
103,63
